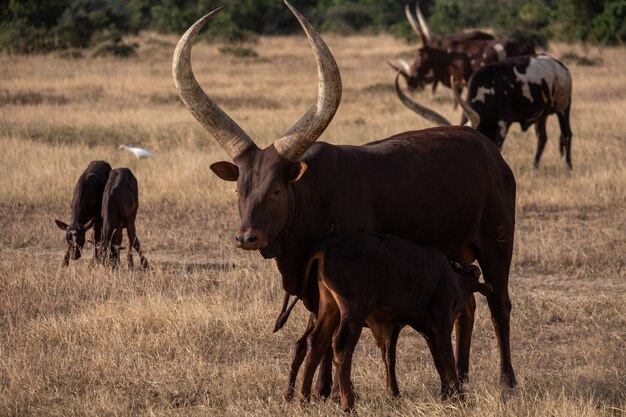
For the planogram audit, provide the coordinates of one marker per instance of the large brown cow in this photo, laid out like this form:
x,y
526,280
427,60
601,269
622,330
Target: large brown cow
x,y
120,203
86,203
445,187
385,282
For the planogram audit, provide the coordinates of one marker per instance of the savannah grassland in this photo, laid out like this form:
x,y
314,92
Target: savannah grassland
x,y
192,335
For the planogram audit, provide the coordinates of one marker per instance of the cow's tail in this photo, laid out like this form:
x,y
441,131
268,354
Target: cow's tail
x,y
286,308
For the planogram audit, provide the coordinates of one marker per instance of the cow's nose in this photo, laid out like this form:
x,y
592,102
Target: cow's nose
x,y
249,239
243,238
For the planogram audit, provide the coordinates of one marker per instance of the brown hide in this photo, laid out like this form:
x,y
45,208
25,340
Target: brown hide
x,y
385,282
86,203
120,203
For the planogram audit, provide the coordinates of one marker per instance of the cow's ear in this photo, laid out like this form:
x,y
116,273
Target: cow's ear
x,y
484,289
61,225
89,224
296,171
225,170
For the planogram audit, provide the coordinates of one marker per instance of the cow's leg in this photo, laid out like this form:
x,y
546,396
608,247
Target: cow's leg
x,y
344,342
324,382
459,89
565,144
435,82
300,351
464,327
495,260
542,137
501,131
318,343
134,242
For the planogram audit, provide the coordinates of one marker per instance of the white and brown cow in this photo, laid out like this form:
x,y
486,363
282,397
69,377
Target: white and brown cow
x,y
525,90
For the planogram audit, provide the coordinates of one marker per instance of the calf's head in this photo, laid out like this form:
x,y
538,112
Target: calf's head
x,y
75,236
264,177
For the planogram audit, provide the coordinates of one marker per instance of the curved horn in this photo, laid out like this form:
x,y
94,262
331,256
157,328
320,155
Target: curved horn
x,y
398,69
310,126
232,138
467,109
415,25
425,112
422,22
405,65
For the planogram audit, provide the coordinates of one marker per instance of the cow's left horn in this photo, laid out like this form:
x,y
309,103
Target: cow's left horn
x,y
224,129
310,126
425,112
467,109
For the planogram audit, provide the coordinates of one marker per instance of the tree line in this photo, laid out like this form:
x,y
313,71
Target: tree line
x,y
34,26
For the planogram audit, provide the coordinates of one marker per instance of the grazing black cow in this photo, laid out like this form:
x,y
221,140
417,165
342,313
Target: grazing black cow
x,y
525,90
445,187
385,282
119,210
86,204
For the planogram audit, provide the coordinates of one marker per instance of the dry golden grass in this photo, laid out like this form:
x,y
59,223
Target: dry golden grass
x,y
192,336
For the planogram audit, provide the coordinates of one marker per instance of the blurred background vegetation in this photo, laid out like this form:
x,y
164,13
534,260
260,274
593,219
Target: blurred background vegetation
x,y
34,26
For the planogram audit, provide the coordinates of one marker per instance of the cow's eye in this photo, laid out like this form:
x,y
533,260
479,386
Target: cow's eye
x,y
276,192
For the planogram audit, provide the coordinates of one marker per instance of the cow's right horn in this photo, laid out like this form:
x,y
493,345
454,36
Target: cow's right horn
x,y
310,126
422,22
418,28
425,112
224,129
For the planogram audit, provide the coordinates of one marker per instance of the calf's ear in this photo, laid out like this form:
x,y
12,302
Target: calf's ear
x,y
89,224
296,171
225,170
61,225
485,289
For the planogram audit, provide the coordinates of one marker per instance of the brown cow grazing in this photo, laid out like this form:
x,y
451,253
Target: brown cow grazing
x,y
455,56
385,282
86,204
119,210
446,187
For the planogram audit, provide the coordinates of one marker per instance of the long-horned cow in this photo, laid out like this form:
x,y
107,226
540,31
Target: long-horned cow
x,y
120,203
525,90
455,56
447,187
86,203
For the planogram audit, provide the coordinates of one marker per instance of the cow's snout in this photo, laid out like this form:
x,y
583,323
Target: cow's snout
x,y
251,239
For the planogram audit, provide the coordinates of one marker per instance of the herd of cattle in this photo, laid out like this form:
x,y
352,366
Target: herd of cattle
x,y
381,235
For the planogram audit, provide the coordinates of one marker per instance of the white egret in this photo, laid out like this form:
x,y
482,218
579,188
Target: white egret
x,y
140,153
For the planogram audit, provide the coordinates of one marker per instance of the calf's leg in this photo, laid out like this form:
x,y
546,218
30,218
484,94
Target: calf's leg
x,y
319,341
344,342
464,327
386,337
134,242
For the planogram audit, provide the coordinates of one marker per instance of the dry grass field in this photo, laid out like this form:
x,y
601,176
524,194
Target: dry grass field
x,y
192,335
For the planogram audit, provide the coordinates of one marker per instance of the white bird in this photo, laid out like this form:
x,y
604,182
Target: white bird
x,y
138,152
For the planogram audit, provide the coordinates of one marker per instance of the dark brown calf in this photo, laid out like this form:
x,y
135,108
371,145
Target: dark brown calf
x,y
386,282
119,210
86,203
